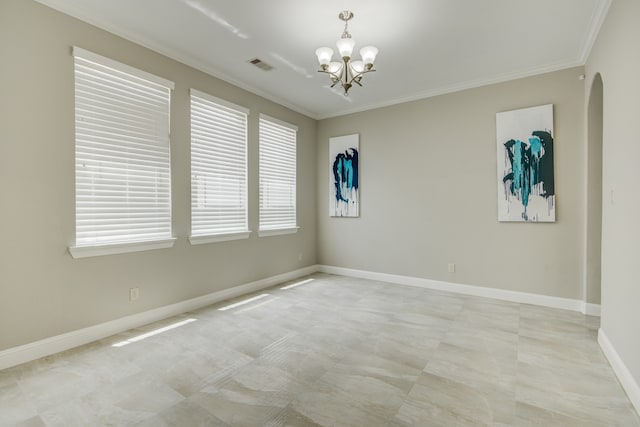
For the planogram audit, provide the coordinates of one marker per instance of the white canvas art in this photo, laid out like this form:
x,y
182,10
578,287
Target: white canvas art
x,y
343,176
526,190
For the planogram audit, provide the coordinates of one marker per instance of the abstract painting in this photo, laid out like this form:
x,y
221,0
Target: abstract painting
x,y
343,176
526,190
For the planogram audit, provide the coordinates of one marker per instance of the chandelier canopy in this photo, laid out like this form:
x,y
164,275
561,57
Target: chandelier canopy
x,y
346,72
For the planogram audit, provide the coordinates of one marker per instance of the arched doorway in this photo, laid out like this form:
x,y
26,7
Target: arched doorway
x,y
594,192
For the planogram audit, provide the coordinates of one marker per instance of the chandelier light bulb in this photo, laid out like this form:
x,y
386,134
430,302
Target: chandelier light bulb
x,y
324,55
368,54
345,47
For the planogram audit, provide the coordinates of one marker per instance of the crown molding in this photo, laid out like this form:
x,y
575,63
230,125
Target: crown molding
x,y
78,13
597,19
444,90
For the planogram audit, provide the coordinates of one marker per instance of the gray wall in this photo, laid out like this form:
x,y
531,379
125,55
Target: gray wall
x,y
429,190
617,58
43,291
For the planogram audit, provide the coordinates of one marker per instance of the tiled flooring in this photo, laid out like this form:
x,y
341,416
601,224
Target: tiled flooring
x,y
333,351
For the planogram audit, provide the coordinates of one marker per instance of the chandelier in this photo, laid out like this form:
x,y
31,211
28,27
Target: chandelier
x,y
346,72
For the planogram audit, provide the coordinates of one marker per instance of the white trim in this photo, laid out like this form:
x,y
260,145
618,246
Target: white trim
x,y
108,62
278,231
479,291
119,248
27,352
76,12
214,238
591,309
457,87
620,369
35,350
597,19
189,60
219,101
278,121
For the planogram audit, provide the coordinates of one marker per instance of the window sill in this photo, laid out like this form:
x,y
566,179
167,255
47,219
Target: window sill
x,y
119,248
214,238
278,231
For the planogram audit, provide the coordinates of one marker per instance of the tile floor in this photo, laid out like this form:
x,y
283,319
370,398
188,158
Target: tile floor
x,y
333,351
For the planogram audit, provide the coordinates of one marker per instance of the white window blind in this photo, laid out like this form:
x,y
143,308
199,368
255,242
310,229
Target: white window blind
x,y
123,177
218,168
277,174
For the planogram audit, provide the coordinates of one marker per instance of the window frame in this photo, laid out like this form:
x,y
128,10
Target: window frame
x,y
99,245
222,105
290,228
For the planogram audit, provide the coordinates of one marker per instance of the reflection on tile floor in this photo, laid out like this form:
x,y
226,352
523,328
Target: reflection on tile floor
x,y
333,351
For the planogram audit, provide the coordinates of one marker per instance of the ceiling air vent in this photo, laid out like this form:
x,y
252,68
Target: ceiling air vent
x,y
260,64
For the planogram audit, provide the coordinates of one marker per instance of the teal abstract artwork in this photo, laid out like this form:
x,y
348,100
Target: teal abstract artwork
x,y
526,182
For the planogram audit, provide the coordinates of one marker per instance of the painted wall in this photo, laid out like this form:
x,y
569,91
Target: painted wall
x,y
43,291
594,192
617,58
428,191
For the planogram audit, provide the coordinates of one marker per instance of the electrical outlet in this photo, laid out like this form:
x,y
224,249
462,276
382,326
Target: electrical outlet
x,y
452,268
134,294
299,257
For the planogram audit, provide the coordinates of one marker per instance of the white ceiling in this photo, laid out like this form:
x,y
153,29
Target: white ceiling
x,y
427,47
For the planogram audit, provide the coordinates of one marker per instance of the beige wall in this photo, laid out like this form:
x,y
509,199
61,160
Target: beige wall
x,y
43,291
616,57
593,237
429,190
428,194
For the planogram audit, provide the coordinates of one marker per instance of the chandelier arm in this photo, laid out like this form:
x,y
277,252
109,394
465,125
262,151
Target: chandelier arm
x,y
360,74
333,75
335,78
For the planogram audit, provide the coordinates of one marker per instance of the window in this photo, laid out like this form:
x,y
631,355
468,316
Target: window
x,y
218,169
277,177
122,169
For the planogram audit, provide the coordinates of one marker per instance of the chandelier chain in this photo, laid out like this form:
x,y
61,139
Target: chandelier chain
x,y
345,32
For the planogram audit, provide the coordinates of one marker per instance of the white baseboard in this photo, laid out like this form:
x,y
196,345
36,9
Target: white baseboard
x,y
35,350
624,376
479,291
25,353
591,309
